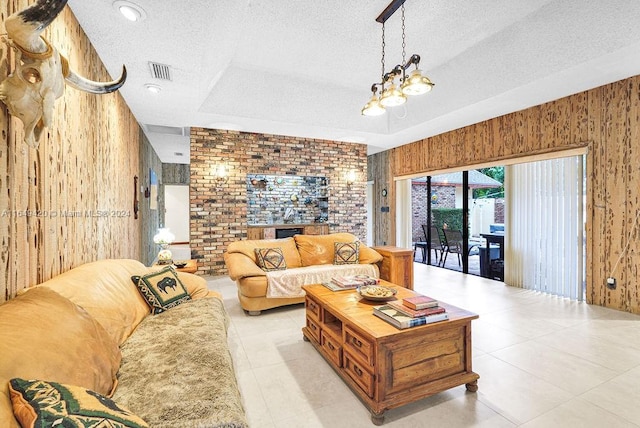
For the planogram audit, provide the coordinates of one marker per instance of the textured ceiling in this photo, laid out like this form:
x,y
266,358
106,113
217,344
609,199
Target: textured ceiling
x,y
305,68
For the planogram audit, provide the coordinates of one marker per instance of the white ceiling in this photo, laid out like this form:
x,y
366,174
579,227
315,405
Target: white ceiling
x,y
305,68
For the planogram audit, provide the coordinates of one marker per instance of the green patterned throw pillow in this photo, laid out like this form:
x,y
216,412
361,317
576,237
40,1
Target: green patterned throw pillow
x,y
347,253
162,290
270,259
38,403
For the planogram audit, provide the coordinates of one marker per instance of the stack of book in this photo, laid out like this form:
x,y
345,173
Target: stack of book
x,y
338,283
411,312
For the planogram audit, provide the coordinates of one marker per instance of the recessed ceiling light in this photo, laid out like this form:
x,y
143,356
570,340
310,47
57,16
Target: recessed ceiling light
x,y
130,11
153,88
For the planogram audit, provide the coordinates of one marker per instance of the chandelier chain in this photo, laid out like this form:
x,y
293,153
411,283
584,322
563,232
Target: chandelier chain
x,y
407,84
404,44
383,46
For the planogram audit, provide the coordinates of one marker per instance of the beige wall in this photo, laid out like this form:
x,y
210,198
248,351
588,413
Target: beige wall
x,y
84,165
219,215
606,120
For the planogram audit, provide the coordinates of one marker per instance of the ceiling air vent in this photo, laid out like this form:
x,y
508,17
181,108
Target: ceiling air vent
x,y
178,153
169,130
160,71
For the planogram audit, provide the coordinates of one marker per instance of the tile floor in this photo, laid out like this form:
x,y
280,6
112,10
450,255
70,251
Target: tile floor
x,y
452,262
543,362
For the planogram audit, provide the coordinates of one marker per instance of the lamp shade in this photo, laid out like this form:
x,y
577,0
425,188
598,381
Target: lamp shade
x,y
392,97
164,236
416,84
373,107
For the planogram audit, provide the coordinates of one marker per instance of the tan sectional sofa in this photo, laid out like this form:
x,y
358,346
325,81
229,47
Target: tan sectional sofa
x,y
300,251
91,328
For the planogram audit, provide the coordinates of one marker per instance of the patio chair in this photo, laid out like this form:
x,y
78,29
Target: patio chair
x,y
437,243
453,241
423,246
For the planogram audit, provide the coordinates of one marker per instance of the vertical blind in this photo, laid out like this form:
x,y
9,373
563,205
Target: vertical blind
x,y
544,222
404,216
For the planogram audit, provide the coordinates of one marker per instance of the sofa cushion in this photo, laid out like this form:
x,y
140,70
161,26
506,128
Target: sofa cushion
x,y
41,403
44,335
288,246
162,290
187,376
346,253
270,259
319,249
253,286
105,290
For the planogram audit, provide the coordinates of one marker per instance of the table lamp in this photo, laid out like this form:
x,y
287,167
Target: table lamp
x,y
164,238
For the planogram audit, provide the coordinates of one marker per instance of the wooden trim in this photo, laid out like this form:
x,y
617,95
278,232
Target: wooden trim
x,y
542,155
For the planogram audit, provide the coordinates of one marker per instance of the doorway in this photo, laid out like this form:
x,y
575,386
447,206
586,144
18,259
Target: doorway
x,y
530,237
176,216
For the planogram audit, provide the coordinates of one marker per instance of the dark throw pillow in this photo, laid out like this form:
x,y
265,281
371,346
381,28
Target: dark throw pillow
x,y
162,289
48,404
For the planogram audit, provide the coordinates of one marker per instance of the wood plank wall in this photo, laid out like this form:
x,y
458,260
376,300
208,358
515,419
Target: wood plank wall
x,y
175,173
604,119
379,171
70,201
150,220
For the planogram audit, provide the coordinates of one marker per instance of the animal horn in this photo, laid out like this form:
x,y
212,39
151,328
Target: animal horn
x,y
24,27
79,82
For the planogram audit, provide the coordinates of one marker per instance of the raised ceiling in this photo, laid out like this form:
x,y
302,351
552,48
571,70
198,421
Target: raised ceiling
x,y
305,68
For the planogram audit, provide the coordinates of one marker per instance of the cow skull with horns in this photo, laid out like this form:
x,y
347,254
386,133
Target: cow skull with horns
x,y
40,71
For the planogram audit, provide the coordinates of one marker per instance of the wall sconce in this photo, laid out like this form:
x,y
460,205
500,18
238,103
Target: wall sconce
x,y
351,177
220,174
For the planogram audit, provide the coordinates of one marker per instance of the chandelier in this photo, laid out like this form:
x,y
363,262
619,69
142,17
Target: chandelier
x,y
396,84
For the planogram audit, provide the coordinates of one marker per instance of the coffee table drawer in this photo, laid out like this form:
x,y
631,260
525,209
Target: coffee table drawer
x,y
314,329
359,346
333,348
313,308
359,374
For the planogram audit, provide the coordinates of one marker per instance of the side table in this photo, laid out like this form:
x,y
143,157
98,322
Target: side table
x,y
191,267
396,265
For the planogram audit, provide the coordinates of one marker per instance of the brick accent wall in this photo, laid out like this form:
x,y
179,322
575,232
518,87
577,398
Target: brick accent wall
x,y
499,213
446,199
219,212
419,208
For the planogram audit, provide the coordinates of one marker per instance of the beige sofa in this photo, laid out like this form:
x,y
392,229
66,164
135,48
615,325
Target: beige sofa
x,y
300,252
90,327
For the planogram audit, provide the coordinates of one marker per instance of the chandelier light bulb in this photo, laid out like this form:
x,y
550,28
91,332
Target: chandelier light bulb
x,y
373,107
392,97
416,84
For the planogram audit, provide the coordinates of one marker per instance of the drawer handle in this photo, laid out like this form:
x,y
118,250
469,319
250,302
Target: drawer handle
x,y
357,370
313,326
331,346
356,342
313,306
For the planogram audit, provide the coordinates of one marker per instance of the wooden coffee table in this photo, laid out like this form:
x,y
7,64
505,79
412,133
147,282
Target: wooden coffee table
x,y
384,366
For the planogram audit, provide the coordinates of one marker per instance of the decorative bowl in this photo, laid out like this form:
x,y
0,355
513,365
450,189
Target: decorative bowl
x,y
180,263
377,293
